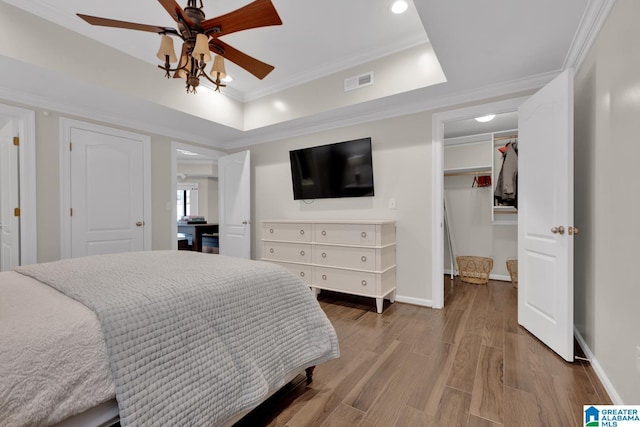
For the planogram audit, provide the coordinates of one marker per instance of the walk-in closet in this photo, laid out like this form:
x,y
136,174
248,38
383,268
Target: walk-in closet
x,y
480,192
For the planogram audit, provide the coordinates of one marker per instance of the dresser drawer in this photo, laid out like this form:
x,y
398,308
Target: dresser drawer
x,y
355,282
346,256
345,234
291,232
302,271
282,251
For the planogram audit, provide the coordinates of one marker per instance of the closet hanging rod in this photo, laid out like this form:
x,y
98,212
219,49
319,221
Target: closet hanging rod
x,y
477,173
500,138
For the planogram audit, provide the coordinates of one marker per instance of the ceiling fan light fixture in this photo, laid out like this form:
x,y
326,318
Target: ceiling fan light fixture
x,y
166,49
196,32
201,49
218,67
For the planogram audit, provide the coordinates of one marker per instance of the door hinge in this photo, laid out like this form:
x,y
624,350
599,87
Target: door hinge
x,y
16,212
71,146
16,140
70,211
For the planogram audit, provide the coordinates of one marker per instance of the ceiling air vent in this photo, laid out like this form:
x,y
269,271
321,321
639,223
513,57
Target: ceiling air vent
x,y
357,82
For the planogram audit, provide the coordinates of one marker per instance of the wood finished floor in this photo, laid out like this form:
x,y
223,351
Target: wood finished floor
x,y
469,364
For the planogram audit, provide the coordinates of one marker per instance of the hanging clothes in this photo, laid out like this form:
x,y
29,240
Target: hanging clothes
x,y
507,185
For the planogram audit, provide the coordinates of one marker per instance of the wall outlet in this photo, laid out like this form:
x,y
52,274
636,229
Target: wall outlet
x,y
392,203
638,359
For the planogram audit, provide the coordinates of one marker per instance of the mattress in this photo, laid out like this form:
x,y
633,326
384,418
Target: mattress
x,y
53,358
180,337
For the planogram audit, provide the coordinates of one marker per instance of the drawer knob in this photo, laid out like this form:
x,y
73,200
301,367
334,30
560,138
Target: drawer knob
x,y
364,283
271,250
324,277
324,254
363,258
302,274
324,233
363,234
301,253
271,230
302,232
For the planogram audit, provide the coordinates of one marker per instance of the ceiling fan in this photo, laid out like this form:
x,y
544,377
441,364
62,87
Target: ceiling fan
x,y
200,36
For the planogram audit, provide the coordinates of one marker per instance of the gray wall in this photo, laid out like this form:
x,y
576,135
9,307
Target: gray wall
x,y
607,131
402,170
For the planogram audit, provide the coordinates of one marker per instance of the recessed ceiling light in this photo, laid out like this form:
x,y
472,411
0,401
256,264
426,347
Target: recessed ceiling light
x,y
486,118
187,152
399,6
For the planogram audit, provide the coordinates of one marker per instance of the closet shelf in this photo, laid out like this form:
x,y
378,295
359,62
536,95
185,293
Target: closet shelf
x,y
505,210
474,170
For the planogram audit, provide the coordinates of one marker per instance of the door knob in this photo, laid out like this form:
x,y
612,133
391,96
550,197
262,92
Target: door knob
x,y
245,222
557,230
554,230
139,223
573,230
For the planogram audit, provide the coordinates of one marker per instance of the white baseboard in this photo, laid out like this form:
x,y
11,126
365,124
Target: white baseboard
x,y
613,394
415,301
501,277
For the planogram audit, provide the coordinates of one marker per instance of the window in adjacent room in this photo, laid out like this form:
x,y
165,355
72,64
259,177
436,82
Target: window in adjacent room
x,y
187,199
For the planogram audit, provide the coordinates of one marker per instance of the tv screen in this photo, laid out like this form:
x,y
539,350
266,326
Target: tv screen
x,y
343,169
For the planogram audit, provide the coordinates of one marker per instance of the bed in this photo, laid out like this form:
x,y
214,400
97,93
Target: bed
x,y
174,337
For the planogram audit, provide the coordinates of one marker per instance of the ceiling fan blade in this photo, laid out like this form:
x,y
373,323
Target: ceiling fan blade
x,y
104,22
260,13
257,68
176,12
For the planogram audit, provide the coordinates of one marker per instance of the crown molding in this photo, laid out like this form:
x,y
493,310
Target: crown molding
x,y
394,106
594,17
398,107
336,67
42,103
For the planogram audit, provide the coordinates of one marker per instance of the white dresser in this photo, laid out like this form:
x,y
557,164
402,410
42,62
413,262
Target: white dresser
x,y
354,257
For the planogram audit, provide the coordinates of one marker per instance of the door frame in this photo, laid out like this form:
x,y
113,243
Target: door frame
x,y
27,163
437,156
65,178
209,152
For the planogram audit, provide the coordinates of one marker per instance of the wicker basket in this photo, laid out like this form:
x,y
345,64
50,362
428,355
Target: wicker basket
x,y
474,269
512,268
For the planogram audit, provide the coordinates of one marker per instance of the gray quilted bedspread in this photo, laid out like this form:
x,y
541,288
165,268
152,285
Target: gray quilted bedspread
x,y
194,338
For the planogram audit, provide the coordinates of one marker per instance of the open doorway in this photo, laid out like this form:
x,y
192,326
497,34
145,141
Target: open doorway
x,y
480,201
545,209
459,123
195,194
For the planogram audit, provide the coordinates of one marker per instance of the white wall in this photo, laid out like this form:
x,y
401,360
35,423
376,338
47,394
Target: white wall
x,y
402,170
607,185
473,231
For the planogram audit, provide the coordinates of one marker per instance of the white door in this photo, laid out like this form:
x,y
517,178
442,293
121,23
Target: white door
x,y
234,200
545,215
9,197
107,193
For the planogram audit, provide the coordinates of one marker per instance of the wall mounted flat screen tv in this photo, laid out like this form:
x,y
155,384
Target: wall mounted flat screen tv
x,y
343,169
